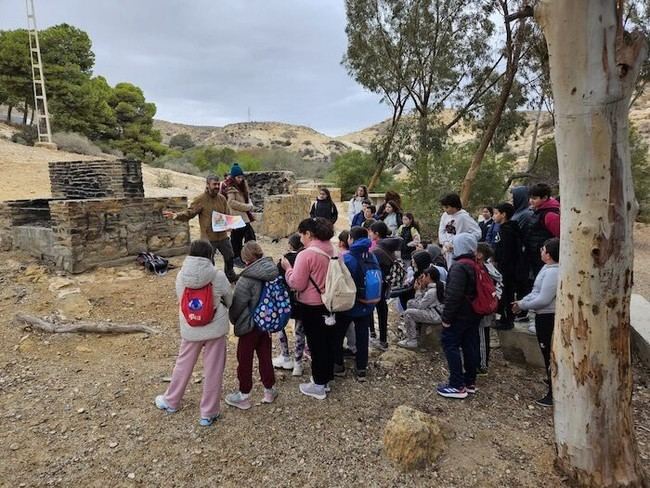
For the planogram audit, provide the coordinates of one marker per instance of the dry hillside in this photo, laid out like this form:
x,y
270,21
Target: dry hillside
x,y
306,142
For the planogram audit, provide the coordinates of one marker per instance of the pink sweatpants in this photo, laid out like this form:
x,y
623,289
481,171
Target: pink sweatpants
x,y
214,362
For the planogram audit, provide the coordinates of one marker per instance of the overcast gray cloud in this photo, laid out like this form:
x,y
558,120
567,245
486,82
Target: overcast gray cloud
x,y
207,62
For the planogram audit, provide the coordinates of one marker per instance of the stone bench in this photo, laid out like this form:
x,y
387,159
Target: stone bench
x,y
520,346
640,321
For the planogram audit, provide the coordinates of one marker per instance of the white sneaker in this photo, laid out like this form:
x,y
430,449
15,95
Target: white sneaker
x,y
532,329
408,343
315,391
282,362
297,368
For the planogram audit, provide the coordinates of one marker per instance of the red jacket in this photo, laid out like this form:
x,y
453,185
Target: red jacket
x,y
551,219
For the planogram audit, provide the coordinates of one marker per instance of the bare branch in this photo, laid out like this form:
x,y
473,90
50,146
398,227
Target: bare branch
x,y
526,11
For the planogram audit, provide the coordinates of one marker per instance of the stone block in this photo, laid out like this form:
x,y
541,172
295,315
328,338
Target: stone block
x,y
520,346
262,184
283,213
429,337
640,322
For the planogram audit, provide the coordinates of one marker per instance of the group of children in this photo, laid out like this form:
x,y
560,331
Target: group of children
x,y
432,285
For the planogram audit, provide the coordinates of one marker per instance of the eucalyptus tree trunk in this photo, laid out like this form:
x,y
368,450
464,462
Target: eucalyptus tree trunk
x,y
593,65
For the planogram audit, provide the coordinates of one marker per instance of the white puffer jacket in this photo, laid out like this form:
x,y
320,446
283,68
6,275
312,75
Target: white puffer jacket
x,y
196,273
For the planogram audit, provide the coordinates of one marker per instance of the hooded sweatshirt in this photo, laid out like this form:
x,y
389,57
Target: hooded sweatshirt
x,y
351,260
461,282
453,225
523,213
384,251
248,291
197,272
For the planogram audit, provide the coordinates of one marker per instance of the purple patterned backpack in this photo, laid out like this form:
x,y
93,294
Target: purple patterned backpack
x,y
273,310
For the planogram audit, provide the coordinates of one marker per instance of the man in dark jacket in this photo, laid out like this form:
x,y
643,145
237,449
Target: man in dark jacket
x,y
544,224
460,322
523,215
510,261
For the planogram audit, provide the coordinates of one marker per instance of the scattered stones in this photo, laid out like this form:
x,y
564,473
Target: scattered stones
x,y
113,445
396,357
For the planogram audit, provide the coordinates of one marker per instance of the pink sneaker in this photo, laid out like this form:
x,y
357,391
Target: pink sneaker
x,y
269,395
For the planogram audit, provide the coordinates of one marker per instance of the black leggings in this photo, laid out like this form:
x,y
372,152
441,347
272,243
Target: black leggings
x,y
544,329
322,342
382,317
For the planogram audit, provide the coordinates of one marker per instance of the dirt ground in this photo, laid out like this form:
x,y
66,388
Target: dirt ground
x,y
77,409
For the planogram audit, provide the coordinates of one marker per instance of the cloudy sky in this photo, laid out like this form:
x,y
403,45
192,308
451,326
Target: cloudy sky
x,y
207,62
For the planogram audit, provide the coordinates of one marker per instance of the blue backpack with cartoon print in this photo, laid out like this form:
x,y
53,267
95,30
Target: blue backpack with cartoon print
x,y
273,311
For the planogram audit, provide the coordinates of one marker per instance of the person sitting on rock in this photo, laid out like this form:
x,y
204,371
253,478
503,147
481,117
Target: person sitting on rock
x,y
425,308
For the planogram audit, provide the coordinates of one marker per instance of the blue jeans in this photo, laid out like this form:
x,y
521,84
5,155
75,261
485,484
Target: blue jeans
x,y
463,334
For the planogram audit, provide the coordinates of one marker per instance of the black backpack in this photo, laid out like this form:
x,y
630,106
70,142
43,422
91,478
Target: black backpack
x,y
154,263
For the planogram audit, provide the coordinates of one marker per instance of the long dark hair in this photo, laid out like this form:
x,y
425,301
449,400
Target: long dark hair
x,y
322,229
411,217
434,274
327,192
365,191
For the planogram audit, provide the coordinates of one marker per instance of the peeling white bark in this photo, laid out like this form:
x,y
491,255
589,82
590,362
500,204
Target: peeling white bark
x,y
593,69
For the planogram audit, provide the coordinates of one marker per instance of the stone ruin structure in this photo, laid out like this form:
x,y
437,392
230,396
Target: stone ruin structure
x,y
97,215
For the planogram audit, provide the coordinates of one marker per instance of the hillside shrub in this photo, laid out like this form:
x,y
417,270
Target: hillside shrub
x,y
76,143
355,168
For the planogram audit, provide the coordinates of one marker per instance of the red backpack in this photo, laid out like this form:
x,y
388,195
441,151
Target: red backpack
x,y
197,305
485,302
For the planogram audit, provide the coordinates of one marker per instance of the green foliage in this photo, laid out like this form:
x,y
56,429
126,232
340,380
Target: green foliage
x,y
355,168
117,117
431,177
181,141
204,160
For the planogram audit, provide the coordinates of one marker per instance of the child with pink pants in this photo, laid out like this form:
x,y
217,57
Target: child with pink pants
x,y
198,271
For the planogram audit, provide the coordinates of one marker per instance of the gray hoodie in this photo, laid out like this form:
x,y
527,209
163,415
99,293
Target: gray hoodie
x,y
542,298
248,291
197,272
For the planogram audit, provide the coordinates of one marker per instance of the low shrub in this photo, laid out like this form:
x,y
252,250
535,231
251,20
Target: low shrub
x,y
76,143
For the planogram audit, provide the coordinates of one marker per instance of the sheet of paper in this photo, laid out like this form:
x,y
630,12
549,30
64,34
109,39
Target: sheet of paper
x,y
222,222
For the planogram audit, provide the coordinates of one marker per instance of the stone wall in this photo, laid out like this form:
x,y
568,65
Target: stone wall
x,y
96,179
88,233
282,214
21,212
266,183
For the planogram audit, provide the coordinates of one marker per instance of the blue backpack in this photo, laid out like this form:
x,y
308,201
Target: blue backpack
x,y
273,310
368,279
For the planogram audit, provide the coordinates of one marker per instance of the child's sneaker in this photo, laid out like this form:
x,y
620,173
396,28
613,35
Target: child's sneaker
x,y
451,392
297,369
408,343
361,375
208,421
471,389
282,362
239,400
270,394
482,372
547,401
163,405
532,329
313,390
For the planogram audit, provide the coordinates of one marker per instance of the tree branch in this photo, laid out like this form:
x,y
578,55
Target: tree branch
x,y
526,11
54,327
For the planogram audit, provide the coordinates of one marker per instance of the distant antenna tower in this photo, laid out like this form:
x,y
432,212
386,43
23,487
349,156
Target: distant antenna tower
x,y
249,114
40,98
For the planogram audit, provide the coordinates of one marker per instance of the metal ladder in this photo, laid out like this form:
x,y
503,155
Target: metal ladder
x,y
40,98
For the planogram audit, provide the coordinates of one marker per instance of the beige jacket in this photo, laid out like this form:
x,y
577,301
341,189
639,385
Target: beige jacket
x,y
238,203
203,205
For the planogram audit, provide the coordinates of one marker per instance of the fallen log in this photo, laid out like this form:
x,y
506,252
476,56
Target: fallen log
x,y
54,327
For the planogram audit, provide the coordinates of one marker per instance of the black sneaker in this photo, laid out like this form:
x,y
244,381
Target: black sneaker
x,y
482,372
547,401
503,326
361,375
339,370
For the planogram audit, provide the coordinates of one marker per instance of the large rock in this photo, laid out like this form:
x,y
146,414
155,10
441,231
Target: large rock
x,y
413,439
282,214
396,356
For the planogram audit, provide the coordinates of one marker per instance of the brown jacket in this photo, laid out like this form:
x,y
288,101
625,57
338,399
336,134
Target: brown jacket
x,y
237,202
203,205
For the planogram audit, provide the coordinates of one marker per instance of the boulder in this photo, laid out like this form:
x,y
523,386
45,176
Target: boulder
x,y
396,356
413,439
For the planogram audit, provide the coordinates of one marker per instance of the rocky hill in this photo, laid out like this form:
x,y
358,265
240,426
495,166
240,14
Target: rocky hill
x,y
309,144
